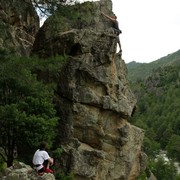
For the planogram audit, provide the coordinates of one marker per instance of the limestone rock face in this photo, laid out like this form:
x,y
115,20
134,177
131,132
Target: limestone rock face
x,y
19,24
94,101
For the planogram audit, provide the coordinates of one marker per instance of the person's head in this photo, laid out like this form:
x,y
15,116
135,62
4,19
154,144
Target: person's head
x,y
115,17
43,145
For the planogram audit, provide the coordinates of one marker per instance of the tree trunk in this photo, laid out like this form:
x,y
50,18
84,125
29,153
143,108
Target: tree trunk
x,y
9,161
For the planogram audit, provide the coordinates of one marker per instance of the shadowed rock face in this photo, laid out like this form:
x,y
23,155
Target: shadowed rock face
x,y
19,24
94,102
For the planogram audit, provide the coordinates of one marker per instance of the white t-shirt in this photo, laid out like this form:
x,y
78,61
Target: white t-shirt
x,y
39,158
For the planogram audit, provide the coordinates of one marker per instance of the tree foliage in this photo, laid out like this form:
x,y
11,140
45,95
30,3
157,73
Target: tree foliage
x,y
27,113
43,7
173,147
158,110
162,169
47,7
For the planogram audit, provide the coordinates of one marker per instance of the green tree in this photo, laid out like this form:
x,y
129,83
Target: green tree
x,y
173,147
151,147
27,113
162,169
45,7
158,108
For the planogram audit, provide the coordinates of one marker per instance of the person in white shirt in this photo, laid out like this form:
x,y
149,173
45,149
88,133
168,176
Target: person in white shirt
x,y
41,160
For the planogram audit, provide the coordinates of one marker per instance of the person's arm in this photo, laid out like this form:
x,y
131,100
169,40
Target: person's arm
x,y
51,161
110,18
47,157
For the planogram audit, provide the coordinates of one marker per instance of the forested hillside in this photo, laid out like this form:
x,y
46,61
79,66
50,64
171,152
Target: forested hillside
x,y
157,89
139,71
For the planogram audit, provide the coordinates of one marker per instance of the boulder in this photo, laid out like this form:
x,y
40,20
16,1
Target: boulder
x,y
21,171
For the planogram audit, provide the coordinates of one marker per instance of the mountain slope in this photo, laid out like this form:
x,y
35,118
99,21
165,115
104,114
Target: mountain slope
x,y
158,103
139,71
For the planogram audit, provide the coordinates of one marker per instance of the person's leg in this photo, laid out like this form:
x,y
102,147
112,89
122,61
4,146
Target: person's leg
x,y
117,31
118,41
41,171
47,165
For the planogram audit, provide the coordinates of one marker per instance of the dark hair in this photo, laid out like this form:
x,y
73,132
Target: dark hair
x,y
42,145
115,16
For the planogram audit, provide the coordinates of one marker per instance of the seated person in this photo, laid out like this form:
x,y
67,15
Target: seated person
x,y
41,160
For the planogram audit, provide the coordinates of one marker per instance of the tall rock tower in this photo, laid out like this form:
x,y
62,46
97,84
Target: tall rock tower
x,y
93,97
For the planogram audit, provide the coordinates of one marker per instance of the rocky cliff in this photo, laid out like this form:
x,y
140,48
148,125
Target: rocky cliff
x,y
19,24
93,96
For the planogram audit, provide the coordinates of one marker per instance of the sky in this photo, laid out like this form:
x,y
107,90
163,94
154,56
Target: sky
x,y
150,28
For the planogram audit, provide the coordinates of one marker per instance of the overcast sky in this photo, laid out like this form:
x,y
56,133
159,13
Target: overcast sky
x,y
150,28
